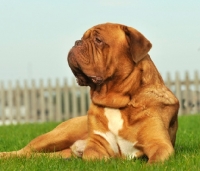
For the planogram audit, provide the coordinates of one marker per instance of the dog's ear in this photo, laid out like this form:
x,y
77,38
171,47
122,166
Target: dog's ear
x,y
138,44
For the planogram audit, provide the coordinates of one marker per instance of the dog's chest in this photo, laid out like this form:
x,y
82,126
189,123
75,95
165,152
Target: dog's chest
x,y
115,121
117,143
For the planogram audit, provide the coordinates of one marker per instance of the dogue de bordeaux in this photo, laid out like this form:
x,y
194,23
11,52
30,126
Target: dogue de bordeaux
x,y
132,112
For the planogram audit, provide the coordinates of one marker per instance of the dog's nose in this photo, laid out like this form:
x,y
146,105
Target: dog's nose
x,y
78,43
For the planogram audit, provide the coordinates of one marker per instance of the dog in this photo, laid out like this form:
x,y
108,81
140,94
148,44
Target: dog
x,y
132,112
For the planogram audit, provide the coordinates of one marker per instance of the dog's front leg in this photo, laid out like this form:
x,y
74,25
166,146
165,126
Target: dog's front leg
x,y
157,146
101,142
97,147
58,140
159,152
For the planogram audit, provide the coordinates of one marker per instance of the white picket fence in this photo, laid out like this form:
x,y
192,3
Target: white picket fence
x,y
187,90
30,102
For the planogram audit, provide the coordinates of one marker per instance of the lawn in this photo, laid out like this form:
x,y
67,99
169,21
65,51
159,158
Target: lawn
x,y
186,158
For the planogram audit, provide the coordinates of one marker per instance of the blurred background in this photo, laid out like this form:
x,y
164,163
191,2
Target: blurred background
x,y
36,35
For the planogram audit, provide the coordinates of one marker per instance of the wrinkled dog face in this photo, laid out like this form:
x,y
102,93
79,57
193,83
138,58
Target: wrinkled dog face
x,y
90,57
103,52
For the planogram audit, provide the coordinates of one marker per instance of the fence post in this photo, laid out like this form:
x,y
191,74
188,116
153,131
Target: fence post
x,y
197,92
187,93
26,102
178,92
83,100
42,103
2,104
74,99
10,109
66,100
18,107
33,104
58,103
50,105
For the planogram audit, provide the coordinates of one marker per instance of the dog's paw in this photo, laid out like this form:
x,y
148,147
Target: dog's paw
x,y
78,148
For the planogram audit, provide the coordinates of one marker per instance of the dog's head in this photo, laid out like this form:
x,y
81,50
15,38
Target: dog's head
x,y
105,52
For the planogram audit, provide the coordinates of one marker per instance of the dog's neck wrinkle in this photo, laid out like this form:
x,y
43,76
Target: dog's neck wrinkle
x,y
116,91
119,91
116,94
109,97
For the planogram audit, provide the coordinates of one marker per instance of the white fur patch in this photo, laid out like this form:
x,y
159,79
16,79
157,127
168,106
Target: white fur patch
x,y
115,123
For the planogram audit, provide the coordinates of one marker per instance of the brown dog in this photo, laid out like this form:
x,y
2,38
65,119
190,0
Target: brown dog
x,y
132,112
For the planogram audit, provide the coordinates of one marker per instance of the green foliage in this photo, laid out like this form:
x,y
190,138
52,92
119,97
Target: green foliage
x,y
186,158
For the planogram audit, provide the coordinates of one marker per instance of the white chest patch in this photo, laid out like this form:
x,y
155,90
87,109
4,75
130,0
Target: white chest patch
x,y
115,121
117,143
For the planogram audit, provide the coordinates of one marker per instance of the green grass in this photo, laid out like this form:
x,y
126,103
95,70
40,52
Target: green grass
x,y
186,158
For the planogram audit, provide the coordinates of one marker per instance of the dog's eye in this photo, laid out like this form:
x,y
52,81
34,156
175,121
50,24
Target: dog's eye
x,y
97,40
